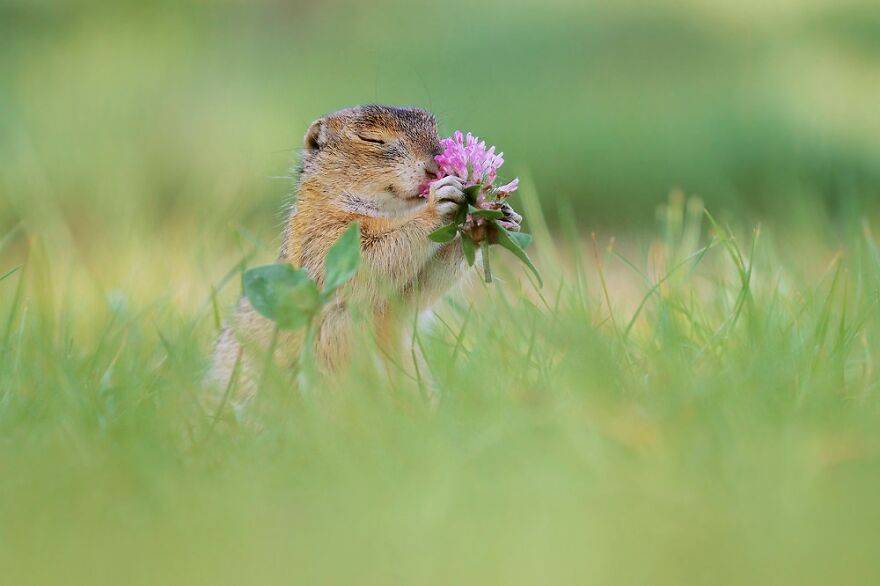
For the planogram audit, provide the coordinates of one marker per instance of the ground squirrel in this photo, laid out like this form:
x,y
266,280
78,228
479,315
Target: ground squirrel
x,y
369,164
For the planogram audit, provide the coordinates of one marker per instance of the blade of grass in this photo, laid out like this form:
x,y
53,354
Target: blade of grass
x,y
10,272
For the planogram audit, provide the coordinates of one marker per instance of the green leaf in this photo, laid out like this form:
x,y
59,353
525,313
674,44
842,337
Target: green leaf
x,y
444,234
469,249
472,192
460,215
482,213
506,240
343,259
521,238
282,294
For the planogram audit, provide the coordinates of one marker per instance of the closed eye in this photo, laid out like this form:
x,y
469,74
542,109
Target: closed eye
x,y
372,140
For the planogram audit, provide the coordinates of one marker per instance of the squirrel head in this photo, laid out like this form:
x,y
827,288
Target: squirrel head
x,y
373,160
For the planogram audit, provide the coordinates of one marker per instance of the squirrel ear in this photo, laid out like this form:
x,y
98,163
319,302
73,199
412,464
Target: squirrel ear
x,y
316,135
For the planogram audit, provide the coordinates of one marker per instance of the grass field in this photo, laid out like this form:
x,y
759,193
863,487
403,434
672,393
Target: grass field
x,y
718,425
693,397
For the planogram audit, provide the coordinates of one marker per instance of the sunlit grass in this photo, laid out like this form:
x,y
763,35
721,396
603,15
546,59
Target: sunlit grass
x,y
702,404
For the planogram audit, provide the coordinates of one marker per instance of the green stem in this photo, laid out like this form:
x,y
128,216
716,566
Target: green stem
x,y
487,271
307,368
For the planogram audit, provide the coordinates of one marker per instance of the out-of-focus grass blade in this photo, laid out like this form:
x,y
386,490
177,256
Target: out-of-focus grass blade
x,y
217,321
246,234
7,238
13,311
534,215
10,272
698,255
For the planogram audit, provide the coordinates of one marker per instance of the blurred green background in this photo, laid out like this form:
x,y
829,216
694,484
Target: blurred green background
x,y
132,117
731,436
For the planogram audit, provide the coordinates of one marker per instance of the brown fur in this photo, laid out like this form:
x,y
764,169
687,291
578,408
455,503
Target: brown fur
x,y
346,176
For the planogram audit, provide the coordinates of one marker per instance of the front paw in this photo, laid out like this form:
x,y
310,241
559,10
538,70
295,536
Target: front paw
x,y
511,220
446,196
480,229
